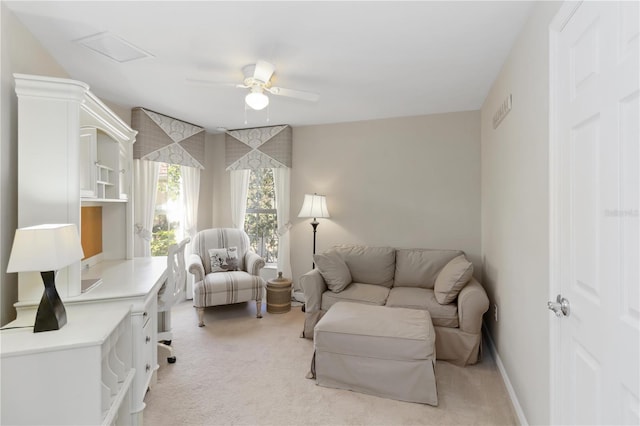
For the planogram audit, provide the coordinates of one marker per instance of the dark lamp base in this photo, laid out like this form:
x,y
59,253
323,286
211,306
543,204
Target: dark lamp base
x,y
51,313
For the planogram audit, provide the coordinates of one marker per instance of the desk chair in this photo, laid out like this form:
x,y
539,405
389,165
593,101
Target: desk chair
x,y
170,294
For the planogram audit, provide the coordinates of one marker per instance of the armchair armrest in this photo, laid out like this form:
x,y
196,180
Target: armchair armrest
x,y
313,286
195,266
253,263
473,302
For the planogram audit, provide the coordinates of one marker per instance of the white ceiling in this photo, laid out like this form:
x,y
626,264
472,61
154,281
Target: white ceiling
x,y
366,60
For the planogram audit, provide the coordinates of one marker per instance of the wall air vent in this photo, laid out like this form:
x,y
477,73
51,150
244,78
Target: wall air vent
x,y
502,111
113,47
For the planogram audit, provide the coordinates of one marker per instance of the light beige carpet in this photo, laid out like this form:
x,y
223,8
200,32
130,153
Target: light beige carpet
x,y
239,370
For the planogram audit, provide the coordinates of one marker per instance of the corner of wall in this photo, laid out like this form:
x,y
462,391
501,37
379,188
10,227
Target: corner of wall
x,y
514,215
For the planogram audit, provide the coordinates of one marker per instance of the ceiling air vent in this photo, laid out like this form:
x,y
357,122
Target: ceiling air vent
x,y
113,47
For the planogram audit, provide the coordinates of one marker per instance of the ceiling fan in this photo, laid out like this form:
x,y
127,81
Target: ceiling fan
x,y
258,79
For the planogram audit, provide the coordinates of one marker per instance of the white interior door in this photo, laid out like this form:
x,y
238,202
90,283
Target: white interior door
x,y
595,232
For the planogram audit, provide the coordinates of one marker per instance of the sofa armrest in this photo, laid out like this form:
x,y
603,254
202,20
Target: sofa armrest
x,y
313,286
473,302
253,263
195,266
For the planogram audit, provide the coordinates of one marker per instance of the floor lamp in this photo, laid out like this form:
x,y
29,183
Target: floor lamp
x,y
314,206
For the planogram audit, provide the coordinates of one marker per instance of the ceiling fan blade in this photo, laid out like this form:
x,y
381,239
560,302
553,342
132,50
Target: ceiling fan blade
x,y
210,83
263,71
298,94
213,83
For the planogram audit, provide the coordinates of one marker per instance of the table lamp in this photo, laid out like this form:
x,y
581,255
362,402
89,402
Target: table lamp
x,y
46,249
314,206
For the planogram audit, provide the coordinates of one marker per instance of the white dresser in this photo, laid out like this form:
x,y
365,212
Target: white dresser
x,y
75,375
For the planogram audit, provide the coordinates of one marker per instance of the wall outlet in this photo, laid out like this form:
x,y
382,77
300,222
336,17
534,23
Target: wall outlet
x,y
495,312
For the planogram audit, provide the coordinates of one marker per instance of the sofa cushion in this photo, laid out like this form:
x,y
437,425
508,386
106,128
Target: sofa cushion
x,y
369,294
453,277
334,271
422,298
420,267
370,265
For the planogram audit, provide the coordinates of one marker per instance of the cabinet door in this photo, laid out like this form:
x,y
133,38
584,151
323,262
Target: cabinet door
x,y
124,171
88,158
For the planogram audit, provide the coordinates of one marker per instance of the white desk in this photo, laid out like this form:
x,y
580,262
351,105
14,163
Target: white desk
x,y
133,284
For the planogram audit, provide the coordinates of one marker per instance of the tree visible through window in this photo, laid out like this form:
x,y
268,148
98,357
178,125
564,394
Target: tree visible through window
x,y
169,210
261,215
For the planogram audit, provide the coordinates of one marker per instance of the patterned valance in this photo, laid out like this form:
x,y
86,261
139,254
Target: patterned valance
x,y
166,139
262,147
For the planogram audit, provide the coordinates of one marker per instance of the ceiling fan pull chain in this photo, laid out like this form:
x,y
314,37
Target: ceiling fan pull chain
x,y
268,113
245,113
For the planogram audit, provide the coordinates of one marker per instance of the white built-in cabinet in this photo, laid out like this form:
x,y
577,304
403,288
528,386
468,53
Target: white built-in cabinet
x,y
73,151
79,375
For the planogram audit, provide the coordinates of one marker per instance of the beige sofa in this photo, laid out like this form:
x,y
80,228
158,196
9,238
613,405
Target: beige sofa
x,y
439,281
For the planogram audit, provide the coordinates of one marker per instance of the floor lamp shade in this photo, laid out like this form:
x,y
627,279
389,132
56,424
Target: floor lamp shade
x,y
314,206
46,249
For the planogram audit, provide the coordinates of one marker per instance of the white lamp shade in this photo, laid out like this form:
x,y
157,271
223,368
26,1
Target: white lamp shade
x,y
315,206
45,248
257,100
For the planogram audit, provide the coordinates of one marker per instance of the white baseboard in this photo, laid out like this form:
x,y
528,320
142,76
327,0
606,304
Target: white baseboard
x,y
505,378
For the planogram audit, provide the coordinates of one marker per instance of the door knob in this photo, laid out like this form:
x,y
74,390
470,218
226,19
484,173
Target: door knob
x,y
560,307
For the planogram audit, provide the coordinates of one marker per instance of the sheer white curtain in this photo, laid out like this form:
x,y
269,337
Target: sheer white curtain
x,y
282,183
239,180
191,195
145,178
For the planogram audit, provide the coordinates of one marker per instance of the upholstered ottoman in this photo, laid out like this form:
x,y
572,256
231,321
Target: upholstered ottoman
x,y
387,352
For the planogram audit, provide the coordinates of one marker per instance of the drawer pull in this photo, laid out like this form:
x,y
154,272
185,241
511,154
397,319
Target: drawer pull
x,y
144,314
147,367
148,339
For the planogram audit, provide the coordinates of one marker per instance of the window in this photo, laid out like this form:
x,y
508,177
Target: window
x,y
261,216
169,210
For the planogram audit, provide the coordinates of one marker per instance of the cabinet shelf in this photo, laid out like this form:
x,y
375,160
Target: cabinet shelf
x,y
111,415
98,201
104,165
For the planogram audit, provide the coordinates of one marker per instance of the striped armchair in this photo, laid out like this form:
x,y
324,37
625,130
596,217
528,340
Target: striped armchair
x,y
221,286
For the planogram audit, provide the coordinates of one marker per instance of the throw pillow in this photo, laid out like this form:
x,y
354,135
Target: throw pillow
x,y
334,271
232,259
453,277
224,259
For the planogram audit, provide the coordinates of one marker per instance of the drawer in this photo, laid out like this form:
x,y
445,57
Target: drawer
x,y
145,341
149,343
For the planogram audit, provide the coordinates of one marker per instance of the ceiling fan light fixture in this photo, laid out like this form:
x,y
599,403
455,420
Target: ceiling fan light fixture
x,y
257,100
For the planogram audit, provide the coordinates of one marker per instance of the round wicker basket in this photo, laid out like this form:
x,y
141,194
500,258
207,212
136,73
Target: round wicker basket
x,y
279,295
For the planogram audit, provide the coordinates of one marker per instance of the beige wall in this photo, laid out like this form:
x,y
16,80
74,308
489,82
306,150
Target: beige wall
x,y
515,226
214,210
21,53
403,182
